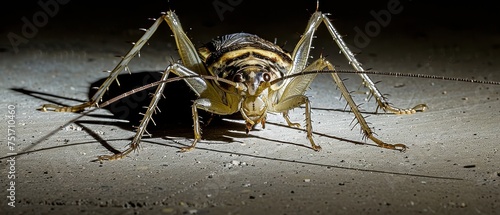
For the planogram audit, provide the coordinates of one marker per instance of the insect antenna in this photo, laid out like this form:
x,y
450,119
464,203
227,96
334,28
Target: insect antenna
x,y
241,87
395,74
156,83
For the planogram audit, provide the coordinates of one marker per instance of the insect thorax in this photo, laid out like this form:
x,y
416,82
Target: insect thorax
x,y
248,59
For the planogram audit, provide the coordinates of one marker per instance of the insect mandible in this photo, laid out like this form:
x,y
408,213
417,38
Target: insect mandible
x,y
253,65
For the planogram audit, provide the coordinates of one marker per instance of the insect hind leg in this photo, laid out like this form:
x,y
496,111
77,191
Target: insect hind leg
x,y
381,100
186,51
292,97
123,64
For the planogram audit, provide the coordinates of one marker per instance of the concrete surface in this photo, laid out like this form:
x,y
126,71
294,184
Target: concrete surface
x,y
452,165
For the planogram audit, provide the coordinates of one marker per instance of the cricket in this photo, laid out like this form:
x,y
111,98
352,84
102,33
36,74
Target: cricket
x,y
244,73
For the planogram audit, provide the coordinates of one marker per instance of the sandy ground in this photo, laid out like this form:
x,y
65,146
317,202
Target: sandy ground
x,y
452,165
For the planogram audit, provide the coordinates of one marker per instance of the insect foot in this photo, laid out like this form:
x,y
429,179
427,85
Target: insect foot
x,y
388,108
381,144
57,108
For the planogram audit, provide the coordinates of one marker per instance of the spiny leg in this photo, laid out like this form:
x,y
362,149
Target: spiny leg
x,y
368,133
294,101
210,103
381,100
292,96
123,64
210,99
197,84
196,128
186,51
144,122
300,84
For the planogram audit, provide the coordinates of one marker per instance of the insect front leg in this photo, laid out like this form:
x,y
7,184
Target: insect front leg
x,y
200,87
292,96
295,101
289,122
211,99
213,104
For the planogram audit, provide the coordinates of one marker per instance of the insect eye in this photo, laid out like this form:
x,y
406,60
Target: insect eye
x,y
238,78
266,76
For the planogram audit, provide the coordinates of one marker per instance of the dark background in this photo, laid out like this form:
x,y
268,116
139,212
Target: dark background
x,y
259,17
454,138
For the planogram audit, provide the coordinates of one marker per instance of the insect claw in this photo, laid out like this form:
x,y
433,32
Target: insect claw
x,y
420,107
248,127
402,147
143,29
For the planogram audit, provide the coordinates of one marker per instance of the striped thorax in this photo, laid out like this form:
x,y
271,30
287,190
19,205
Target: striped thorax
x,y
253,61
